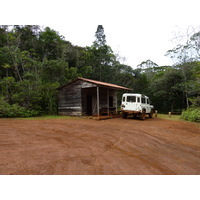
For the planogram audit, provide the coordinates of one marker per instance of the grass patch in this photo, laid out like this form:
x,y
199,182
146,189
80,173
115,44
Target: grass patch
x,y
191,114
49,117
173,117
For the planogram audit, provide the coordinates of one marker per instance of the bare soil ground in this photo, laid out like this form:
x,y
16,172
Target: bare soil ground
x,y
86,146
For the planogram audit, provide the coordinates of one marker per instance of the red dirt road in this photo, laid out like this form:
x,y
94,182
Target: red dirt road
x,y
86,146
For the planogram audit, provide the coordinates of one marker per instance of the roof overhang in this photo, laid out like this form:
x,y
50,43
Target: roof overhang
x,y
99,83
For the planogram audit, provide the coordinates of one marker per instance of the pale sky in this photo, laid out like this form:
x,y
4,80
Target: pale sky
x,y
136,30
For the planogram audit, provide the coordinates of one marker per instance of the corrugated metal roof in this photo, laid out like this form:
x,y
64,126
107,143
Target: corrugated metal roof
x,y
99,83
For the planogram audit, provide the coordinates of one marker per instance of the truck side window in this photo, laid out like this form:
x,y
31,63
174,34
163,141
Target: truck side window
x,y
143,100
123,99
131,98
138,99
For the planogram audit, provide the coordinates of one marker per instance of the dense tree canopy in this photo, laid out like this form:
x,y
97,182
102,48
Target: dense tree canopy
x,y
35,61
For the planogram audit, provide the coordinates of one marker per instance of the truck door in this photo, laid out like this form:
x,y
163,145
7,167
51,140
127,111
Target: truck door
x,y
130,102
145,104
148,106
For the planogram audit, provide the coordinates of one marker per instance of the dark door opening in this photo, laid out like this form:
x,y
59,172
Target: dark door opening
x,y
110,101
89,105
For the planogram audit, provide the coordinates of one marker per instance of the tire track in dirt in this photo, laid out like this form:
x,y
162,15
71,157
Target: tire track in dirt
x,y
137,154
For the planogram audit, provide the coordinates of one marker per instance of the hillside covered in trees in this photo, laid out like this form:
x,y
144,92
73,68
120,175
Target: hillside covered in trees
x,y
35,61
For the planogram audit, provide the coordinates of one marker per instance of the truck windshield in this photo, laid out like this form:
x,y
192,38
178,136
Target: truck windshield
x,y
131,99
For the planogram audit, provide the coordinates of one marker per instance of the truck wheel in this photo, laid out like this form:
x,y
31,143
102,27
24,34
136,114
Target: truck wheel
x,y
143,115
151,114
124,115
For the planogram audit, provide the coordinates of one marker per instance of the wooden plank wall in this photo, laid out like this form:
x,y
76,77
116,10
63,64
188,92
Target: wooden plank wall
x,y
70,98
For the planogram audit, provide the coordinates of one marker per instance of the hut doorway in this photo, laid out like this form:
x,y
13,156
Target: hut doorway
x,y
89,105
110,101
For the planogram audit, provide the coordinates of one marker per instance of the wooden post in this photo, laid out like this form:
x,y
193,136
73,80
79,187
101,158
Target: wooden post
x,y
156,112
98,101
170,114
108,101
116,101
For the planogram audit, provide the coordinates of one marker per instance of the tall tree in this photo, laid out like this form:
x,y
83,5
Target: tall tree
x,y
100,37
102,57
187,48
184,55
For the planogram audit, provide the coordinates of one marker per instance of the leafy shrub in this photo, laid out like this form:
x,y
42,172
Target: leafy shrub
x,y
191,114
7,110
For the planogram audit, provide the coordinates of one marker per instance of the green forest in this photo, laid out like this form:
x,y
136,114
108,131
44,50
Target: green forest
x,y
35,61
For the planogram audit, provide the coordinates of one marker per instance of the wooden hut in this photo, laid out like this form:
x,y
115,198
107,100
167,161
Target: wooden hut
x,y
88,97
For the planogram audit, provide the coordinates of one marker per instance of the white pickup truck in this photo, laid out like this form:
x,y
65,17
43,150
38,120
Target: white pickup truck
x,y
137,105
